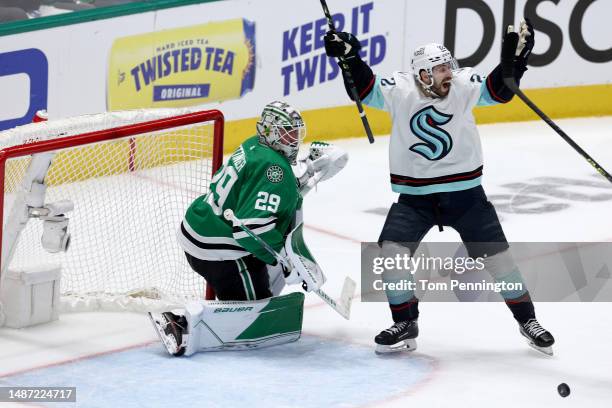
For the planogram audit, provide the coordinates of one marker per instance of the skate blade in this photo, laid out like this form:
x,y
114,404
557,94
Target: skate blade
x,y
544,350
405,345
159,324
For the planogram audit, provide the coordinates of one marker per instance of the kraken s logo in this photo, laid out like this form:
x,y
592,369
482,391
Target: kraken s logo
x,y
425,124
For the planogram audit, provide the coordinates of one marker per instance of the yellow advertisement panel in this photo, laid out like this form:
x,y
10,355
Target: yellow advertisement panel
x,y
181,67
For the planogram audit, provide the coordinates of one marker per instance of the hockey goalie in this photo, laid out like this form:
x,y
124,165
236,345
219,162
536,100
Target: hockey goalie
x,y
261,186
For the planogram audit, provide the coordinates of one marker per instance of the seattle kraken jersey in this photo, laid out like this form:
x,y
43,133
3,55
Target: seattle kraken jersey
x,y
435,146
257,183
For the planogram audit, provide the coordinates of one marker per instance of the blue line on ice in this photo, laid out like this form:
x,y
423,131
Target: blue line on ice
x,y
312,372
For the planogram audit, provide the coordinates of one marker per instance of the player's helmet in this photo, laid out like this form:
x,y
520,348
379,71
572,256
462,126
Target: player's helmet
x,y
427,57
281,127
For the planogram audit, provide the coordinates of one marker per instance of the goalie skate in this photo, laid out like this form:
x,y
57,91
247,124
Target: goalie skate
x,y
537,337
399,337
171,330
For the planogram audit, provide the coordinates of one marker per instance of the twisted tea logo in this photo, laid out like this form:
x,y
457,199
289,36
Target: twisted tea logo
x,y
274,174
425,124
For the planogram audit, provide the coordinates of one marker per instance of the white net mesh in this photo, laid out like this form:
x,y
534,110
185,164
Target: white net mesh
x,y
130,196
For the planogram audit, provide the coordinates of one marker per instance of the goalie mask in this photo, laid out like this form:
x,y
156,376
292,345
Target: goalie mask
x,y
281,127
428,56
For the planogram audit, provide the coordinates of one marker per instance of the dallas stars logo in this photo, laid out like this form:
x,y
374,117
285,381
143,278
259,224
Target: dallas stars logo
x,y
275,174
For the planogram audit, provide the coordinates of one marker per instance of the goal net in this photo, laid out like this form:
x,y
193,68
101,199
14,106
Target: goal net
x,y
130,175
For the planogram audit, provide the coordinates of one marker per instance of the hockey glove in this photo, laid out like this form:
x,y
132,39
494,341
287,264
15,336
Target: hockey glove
x,y
323,162
524,46
290,273
302,261
509,45
327,159
526,40
294,277
341,45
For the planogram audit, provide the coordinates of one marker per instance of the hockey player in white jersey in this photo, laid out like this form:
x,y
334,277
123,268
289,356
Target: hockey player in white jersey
x,y
436,167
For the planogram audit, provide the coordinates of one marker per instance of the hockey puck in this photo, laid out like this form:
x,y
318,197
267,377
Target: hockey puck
x,y
563,389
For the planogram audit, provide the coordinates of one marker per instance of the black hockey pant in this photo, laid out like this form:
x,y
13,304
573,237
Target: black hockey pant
x,y
241,279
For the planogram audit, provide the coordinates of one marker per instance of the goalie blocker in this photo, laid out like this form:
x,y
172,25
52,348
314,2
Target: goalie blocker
x,y
249,278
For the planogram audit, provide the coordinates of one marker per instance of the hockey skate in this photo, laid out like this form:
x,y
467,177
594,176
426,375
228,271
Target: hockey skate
x,y
537,337
172,331
399,337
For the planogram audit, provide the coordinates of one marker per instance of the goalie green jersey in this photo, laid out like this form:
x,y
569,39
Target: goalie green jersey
x,y
257,183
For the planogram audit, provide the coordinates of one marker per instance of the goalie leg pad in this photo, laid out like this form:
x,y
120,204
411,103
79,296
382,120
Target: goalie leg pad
x,y
243,325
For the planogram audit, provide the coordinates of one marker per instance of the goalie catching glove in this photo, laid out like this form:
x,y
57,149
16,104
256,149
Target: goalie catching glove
x,y
322,163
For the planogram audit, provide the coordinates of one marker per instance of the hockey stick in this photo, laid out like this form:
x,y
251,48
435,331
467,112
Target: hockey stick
x,y
343,306
349,78
510,82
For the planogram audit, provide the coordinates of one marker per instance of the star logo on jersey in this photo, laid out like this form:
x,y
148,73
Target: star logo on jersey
x,y
425,124
275,174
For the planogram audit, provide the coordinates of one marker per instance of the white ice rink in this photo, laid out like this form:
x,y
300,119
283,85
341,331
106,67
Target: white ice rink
x,y
469,355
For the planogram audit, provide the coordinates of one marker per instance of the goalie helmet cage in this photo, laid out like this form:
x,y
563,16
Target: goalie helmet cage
x,y
131,175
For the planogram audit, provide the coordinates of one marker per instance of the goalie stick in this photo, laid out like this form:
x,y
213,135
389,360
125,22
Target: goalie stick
x,y
349,78
343,306
510,82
